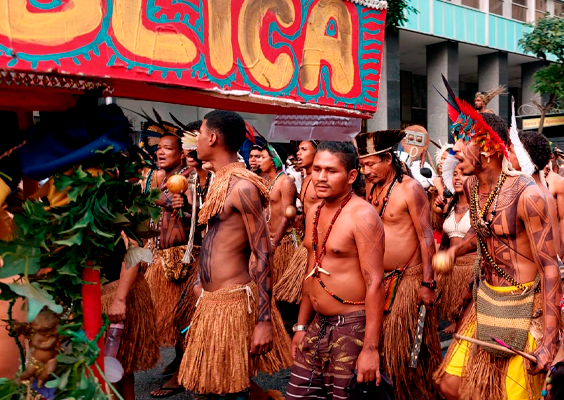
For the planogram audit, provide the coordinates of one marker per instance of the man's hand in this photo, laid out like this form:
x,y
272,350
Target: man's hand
x,y
544,360
178,200
117,310
426,296
296,341
261,342
368,366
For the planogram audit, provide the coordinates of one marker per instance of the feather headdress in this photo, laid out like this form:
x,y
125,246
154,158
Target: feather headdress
x,y
153,128
374,143
470,126
189,140
489,95
525,161
441,151
449,165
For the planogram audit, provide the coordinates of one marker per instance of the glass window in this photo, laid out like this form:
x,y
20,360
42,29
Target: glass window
x,y
558,7
471,3
519,12
496,7
541,5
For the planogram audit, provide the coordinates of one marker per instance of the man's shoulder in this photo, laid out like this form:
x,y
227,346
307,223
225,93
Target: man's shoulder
x,y
361,209
410,186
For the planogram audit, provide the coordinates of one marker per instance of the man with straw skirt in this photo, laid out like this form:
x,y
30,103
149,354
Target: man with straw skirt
x,y
340,320
409,279
516,281
289,287
127,299
170,273
236,330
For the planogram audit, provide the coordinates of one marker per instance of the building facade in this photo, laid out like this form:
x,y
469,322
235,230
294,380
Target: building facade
x,y
474,44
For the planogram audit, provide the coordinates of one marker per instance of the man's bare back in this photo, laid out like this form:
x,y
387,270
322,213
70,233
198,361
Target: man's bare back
x,y
342,259
308,196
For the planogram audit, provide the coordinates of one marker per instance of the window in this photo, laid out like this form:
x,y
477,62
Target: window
x,y
558,7
519,10
540,7
496,7
471,3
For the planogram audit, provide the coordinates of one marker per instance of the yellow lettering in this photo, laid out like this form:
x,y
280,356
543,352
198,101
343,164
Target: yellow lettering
x,y
219,28
275,75
164,46
337,51
77,18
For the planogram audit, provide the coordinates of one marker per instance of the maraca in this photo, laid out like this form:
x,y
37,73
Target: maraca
x,y
290,212
442,263
177,184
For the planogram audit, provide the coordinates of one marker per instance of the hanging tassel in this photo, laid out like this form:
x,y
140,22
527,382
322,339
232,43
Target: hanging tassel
x,y
188,257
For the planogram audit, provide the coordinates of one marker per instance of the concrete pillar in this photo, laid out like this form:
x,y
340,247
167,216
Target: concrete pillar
x,y
388,115
527,81
442,58
492,72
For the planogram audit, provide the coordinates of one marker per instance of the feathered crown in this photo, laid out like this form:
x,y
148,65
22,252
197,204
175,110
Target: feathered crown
x,y
439,154
373,143
470,126
489,95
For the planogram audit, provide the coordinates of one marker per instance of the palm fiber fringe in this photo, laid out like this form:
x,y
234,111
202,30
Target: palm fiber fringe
x,y
139,349
218,191
217,358
187,303
452,287
399,330
282,256
289,286
166,295
484,375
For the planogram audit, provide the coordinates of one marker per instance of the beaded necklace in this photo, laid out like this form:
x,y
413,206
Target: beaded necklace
x,y
386,198
319,256
481,226
201,191
269,216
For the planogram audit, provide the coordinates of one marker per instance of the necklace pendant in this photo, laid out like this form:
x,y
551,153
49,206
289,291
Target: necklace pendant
x,y
482,228
376,203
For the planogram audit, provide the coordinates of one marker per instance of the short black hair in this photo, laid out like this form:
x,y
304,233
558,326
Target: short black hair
x,y
229,125
344,150
194,126
536,144
178,139
497,124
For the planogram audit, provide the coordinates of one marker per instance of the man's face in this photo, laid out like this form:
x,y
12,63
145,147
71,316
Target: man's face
x,y
169,153
478,103
375,168
265,163
468,153
305,154
203,147
329,176
254,159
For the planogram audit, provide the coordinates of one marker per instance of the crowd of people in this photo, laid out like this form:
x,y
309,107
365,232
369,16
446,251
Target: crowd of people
x,y
339,261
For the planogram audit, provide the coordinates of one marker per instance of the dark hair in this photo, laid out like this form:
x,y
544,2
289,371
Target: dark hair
x,y
397,164
229,126
344,150
536,144
194,126
497,124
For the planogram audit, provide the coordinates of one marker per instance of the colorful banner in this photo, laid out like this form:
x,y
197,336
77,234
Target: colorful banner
x,y
319,55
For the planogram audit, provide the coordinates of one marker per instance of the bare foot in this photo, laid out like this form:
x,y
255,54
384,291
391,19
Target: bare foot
x,y
451,328
169,388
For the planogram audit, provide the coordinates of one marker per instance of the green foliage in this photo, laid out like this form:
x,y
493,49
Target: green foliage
x,y
58,242
397,13
547,38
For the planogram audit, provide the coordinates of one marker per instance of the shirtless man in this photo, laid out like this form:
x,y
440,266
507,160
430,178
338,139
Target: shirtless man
x,y
480,103
556,187
516,216
341,311
254,158
305,155
281,193
404,208
234,318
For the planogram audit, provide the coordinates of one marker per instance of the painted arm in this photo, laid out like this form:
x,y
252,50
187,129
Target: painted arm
x,y
536,219
369,238
288,192
420,213
248,203
118,308
560,209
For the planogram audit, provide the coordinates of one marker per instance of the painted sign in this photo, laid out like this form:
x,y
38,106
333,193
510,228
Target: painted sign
x,y
533,123
319,54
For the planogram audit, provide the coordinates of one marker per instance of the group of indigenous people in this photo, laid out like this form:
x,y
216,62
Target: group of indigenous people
x,y
346,283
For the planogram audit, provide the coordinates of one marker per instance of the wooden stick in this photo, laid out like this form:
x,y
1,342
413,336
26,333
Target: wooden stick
x,y
495,346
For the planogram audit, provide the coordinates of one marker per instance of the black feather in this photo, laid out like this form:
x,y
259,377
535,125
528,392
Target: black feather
x,y
451,96
177,121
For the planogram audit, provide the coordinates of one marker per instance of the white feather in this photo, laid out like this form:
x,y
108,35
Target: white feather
x,y
135,255
527,165
448,172
189,140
